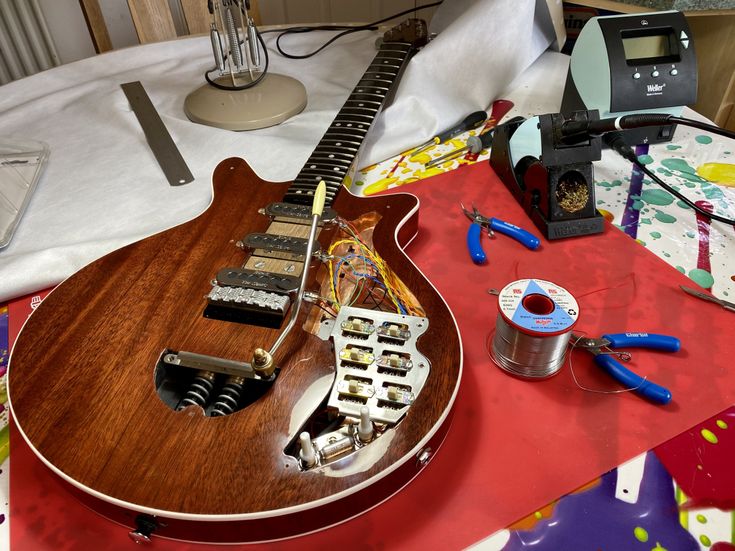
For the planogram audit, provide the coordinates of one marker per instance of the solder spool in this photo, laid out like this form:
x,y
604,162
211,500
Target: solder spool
x,y
533,328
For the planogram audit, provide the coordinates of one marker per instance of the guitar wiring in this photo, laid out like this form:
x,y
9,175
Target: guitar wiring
x,y
353,265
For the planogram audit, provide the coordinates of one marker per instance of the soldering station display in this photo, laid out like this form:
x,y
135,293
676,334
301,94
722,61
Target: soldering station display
x,y
650,46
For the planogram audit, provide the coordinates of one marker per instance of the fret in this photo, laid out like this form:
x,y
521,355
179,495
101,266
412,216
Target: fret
x,y
329,176
329,163
303,198
362,103
313,178
308,189
393,49
346,120
349,132
342,123
331,152
340,143
359,111
371,85
385,65
328,160
381,73
382,68
379,90
390,54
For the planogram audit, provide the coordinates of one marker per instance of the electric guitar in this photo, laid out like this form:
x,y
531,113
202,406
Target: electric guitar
x,y
139,382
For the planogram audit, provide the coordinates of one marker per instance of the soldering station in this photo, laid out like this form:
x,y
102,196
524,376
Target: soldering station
x,y
628,80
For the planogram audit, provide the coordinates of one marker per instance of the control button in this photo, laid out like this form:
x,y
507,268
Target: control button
x,y
685,43
683,35
654,74
673,72
636,75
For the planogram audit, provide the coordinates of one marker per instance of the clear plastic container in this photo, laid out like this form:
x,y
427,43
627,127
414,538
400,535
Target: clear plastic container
x,y
21,164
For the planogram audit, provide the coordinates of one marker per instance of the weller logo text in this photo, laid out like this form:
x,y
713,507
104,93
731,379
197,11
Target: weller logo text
x,y
655,89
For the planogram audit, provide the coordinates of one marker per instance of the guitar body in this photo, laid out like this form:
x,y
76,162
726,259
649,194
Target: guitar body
x,y
83,382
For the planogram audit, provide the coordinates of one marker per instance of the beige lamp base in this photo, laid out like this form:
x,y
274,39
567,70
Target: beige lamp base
x,y
273,100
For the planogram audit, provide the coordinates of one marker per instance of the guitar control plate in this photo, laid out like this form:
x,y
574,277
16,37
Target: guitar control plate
x,y
366,376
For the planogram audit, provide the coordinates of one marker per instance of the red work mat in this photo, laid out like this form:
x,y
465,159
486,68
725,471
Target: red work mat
x,y
514,445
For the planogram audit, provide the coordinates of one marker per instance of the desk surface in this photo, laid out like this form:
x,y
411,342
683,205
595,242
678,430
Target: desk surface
x,y
662,225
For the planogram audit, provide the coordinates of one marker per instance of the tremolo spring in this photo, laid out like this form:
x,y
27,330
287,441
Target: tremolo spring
x,y
199,390
229,398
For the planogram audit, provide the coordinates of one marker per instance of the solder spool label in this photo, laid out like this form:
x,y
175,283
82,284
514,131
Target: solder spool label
x,y
535,306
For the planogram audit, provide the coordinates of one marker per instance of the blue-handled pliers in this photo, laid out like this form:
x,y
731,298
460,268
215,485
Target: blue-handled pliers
x,y
480,222
605,358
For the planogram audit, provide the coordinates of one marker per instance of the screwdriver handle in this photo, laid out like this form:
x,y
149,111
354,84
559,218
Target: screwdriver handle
x,y
471,121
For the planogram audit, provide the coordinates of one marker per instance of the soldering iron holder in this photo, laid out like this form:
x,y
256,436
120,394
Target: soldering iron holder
x,y
551,179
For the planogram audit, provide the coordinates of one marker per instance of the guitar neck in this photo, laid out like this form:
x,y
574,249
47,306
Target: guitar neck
x,y
336,154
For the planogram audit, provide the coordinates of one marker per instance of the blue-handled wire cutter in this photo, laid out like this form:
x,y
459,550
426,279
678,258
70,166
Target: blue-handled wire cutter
x,y
602,349
480,222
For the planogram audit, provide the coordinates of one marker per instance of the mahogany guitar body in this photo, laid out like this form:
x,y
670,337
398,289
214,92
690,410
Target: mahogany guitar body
x,y
83,388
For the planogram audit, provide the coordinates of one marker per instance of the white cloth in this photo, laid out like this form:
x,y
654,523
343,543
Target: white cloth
x,y
103,189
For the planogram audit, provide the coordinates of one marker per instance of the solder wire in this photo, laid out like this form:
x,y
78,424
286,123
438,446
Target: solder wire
x,y
528,356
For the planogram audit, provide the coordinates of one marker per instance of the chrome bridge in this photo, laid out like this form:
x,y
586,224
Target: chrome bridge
x,y
249,296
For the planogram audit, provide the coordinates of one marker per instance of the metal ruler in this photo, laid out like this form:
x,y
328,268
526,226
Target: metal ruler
x,y
159,140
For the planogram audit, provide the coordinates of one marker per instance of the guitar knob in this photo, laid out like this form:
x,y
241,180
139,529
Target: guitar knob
x,y
365,428
144,527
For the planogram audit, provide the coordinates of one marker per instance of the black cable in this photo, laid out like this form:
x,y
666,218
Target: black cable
x,y
581,130
617,143
249,84
703,126
346,30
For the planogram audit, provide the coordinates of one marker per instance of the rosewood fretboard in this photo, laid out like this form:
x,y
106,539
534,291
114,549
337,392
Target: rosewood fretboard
x,y
337,151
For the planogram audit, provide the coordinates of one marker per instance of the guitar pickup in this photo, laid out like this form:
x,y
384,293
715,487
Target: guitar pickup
x,y
397,332
298,212
261,281
278,243
250,296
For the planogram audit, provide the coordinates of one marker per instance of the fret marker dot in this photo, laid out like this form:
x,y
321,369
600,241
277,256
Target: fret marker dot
x,y
359,126
361,105
339,144
337,124
331,156
349,124
336,169
312,166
